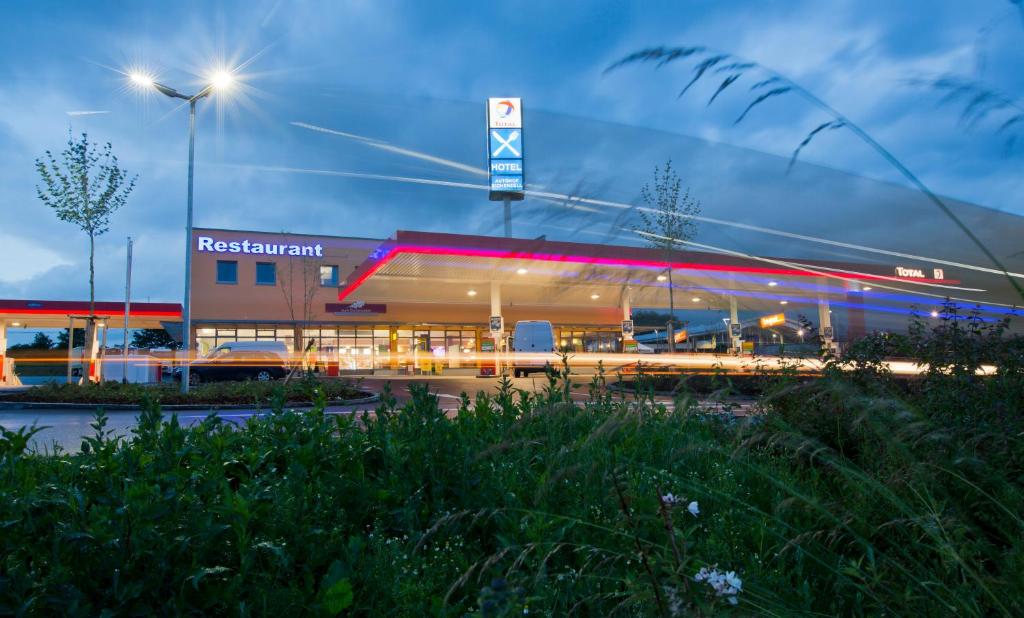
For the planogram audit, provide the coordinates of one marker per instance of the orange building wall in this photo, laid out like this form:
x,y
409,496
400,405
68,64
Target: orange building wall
x,y
247,302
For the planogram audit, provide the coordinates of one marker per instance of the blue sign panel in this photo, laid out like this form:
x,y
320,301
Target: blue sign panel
x,y
506,143
506,159
511,167
507,183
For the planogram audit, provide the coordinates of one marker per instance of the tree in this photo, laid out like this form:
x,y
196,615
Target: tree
x,y
41,341
62,339
667,222
149,338
84,187
301,275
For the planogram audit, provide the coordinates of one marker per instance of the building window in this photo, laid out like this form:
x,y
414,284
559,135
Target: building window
x,y
329,276
227,271
266,273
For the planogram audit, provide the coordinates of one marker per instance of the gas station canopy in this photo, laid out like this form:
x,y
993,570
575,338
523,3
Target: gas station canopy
x,y
456,269
56,313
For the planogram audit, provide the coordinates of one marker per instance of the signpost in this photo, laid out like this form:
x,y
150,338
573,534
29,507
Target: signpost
x,y
505,153
773,320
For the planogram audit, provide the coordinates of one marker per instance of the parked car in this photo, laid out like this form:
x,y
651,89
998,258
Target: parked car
x,y
532,337
240,360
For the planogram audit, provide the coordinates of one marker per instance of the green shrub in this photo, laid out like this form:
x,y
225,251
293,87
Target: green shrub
x,y
247,392
850,497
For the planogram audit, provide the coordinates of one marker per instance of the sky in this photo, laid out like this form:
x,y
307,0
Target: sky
x,y
359,118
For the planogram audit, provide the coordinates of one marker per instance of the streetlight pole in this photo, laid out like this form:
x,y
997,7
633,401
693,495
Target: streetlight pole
x,y
127,310
186,309
222,79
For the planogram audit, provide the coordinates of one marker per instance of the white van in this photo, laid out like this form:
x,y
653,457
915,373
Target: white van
x,y
533,337
273,347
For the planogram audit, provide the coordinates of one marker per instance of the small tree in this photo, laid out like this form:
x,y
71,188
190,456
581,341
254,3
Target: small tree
x,y
62,339
299,280
84,187
149,338
667,222
41,341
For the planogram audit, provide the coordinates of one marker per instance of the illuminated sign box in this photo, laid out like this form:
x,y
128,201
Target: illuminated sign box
x,y
773,320
505,154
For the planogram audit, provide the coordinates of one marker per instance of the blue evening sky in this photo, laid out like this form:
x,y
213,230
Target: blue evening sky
x,y
413,76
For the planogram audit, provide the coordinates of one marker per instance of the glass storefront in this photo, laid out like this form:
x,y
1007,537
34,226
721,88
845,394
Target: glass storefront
x,y
411,349
589,340
209,338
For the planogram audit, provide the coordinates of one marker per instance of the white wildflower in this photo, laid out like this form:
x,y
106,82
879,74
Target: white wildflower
x,y
669,499
726,585
694,508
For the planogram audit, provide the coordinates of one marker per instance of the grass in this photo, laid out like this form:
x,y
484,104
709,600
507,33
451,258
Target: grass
x,y
255,393
849,497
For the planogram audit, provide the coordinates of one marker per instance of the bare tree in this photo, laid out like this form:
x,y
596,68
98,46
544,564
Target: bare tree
x,y
299,281
84,187
667,222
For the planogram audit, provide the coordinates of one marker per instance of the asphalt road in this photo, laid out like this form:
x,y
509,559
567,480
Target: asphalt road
x,y
67,427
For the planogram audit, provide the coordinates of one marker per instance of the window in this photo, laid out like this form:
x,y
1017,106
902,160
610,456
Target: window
x,y
329,276
266,273
227,271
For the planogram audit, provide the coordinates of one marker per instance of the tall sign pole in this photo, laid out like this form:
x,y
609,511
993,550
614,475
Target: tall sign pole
x,y
505,155
127,309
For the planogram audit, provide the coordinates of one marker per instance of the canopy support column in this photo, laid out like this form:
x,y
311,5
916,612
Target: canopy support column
x,y
825,324
734,318
3,351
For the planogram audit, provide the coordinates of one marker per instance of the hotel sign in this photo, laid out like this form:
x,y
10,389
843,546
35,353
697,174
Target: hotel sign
x,y
505,148
773,320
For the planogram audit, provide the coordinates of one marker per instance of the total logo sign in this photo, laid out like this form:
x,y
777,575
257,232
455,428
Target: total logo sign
x,y
504,113
918,273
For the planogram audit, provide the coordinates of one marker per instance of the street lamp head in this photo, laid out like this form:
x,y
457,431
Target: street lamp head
x,y
221,80
142,80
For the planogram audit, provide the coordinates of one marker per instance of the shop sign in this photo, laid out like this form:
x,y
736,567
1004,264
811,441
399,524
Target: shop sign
x,y
356,308
487,345
680,336
909,273
505,155
251,247
773,320
630,347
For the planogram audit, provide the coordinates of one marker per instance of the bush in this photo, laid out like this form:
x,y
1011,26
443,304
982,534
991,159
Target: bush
x,y
850,498
249,392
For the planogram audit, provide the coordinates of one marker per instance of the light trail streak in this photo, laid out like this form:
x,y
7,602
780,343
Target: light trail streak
x,y
831,273
613,362
396,149
574,201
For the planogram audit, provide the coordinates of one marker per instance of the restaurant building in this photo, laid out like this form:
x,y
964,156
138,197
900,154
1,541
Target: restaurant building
x,y
422,297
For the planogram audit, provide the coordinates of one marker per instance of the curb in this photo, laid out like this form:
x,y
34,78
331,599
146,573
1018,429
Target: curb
x,y
49,405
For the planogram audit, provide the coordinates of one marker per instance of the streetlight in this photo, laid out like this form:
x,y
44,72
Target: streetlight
x,y
218,81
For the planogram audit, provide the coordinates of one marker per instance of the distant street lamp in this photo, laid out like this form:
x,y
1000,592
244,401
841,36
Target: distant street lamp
x,y
220,80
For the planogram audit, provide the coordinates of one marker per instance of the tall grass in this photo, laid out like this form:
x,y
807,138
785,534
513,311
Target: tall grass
x,y
852,495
